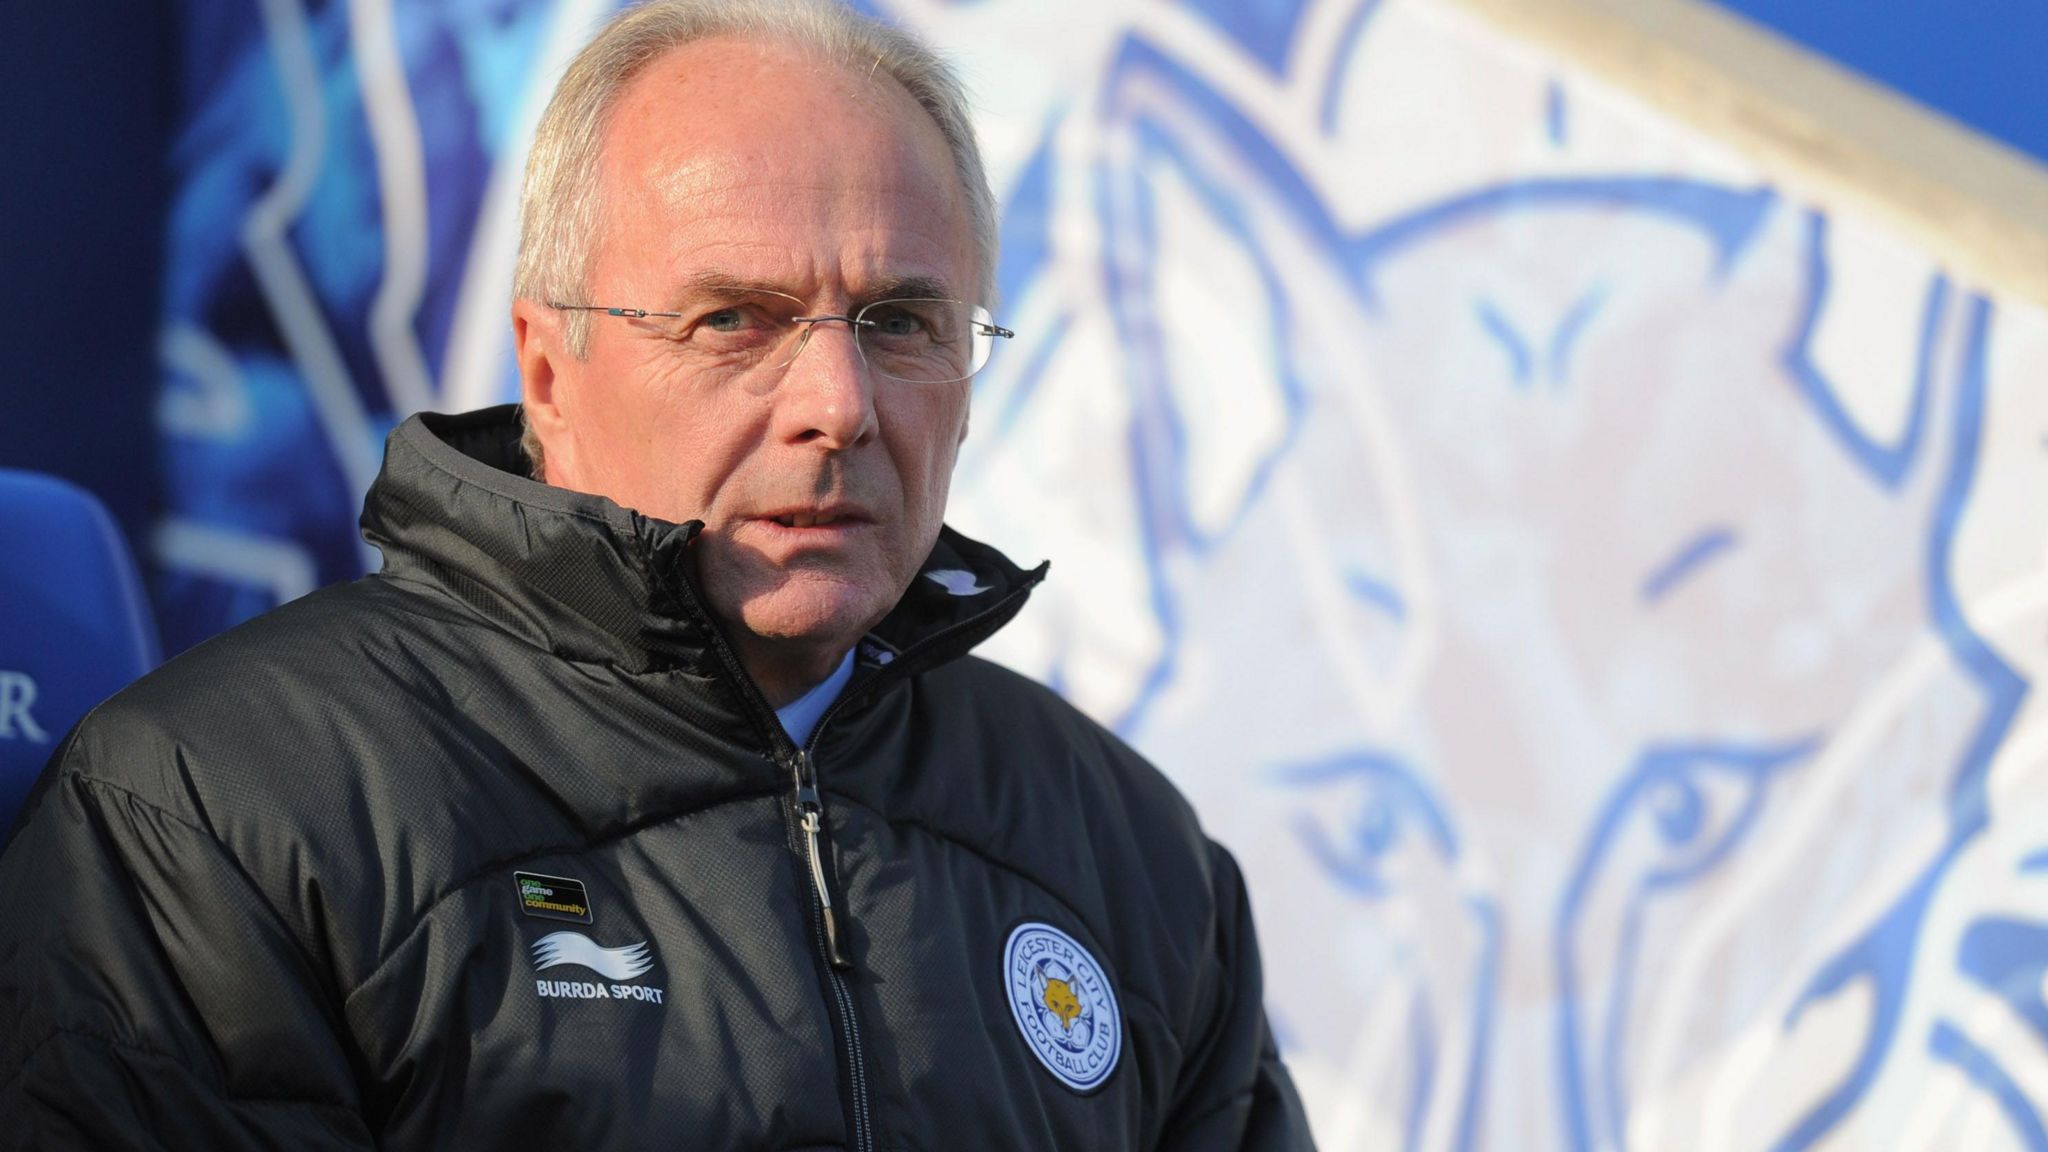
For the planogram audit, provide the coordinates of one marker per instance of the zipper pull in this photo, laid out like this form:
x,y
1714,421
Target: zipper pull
x,y
807,803
832,951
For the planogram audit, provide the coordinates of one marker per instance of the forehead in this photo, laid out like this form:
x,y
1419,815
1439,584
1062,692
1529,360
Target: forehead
x,y
772,163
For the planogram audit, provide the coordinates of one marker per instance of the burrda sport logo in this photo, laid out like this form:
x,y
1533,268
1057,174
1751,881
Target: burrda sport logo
x,y
617,965
1064,1005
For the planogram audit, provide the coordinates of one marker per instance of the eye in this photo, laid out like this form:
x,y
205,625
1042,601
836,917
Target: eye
x,y
725,320
2008,958
896,321
1365,819
1696,803
747,329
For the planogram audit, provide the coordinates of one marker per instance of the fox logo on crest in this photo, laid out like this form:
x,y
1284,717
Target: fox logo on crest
x,y
1064,1005
1060,1000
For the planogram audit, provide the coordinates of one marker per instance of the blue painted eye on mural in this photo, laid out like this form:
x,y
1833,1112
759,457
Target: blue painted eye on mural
x,y
1676,816
1364,812
1373,827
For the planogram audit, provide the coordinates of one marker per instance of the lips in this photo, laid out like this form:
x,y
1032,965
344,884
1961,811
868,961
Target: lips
x,y
807,519
815,517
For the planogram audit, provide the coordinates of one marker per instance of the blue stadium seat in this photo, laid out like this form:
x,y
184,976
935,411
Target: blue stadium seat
x,y
74,627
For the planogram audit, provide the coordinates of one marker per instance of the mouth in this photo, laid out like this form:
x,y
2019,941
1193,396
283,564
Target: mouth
x,y
809,519
836,516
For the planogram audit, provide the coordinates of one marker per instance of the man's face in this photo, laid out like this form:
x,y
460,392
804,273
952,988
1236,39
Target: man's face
x,y
730,163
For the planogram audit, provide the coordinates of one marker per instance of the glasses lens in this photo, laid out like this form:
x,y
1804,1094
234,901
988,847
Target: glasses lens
x,y
924,341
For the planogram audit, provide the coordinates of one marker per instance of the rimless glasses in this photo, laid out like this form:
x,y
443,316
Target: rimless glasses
x,y
920,340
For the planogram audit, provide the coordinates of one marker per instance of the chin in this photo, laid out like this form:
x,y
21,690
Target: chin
x,y
802,614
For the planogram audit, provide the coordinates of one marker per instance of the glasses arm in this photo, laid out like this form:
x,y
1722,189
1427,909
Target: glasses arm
x,y
629,313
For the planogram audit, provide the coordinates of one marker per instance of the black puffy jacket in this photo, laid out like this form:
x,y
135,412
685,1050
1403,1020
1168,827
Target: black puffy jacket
x,y
499,849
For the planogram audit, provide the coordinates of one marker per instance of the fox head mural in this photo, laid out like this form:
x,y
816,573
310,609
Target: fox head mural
x,y
1516,591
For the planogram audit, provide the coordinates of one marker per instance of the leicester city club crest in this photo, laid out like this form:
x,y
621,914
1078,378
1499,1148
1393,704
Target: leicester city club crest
x,y
1063,1004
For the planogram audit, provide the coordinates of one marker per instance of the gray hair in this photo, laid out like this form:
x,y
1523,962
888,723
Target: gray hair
x,y
559,209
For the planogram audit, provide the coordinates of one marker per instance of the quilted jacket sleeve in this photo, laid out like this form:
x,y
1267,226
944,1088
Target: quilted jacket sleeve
x,y
1234,1093
149,997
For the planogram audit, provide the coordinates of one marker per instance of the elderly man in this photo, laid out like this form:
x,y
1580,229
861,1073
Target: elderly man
x,y
657,804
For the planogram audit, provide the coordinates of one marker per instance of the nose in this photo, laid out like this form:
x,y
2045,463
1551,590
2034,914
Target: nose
x,y
826,396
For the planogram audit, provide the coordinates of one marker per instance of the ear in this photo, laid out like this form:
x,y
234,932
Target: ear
x,y
539,346
1226,284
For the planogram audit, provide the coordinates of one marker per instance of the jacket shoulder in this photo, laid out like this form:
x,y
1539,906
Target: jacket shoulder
x,y
326,739
1044,728
1040,786
255,695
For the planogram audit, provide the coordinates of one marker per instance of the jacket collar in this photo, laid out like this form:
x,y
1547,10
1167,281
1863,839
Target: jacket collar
x,y
594,582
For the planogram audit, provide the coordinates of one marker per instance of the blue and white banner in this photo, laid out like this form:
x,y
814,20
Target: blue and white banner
x,y
339,256
1593,586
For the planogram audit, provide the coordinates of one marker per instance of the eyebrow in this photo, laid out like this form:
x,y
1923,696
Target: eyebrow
x,y
911,288
725,285
1683,564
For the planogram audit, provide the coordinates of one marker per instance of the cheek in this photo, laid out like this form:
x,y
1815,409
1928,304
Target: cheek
x,y
653,442
943,424
614,401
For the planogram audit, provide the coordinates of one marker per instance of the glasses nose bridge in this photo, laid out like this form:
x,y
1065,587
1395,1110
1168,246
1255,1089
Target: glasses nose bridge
x,y
806,325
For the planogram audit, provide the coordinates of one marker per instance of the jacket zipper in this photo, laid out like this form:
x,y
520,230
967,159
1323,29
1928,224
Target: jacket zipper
x,y
808,818
810,815
809,812
803,774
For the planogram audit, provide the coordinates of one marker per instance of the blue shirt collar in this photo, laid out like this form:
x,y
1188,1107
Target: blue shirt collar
x,y
802,714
